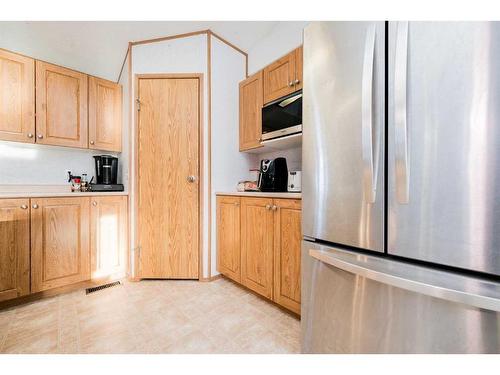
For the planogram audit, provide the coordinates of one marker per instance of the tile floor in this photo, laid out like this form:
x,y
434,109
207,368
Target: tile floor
x,y
151,317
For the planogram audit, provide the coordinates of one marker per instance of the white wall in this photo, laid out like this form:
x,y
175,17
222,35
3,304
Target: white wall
x,y
184,55
228,164
283,38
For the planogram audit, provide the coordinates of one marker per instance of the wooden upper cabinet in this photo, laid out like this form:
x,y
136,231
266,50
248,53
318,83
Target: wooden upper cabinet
x,y
60,253
257,245
17,97
61,106
14,248
287,244
105,115
251,112
283,76
228,237
108,236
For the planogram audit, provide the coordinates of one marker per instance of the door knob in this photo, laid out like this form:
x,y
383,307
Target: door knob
x,y
35,206
30,135
40,136
91,142
191,178
24,206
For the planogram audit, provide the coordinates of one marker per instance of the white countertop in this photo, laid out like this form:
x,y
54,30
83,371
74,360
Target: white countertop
x,y
261,194
39,191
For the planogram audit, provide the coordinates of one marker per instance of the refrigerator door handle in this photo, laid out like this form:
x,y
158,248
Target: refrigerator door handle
x,y
400,119
369,175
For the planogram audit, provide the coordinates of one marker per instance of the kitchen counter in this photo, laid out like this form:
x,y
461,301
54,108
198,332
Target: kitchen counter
x,y
39,191
261,194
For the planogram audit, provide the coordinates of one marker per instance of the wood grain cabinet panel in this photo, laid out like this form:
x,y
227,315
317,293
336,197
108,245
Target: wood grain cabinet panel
x,y
299,58
105,115
61,106
251,112
257,245
108,236
17,97
14,248
60,253
287,244
228,237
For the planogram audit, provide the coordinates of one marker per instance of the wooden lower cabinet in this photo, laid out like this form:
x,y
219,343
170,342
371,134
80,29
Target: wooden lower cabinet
x,y
108,236
14,248
228,237
60,247
258,245
287,244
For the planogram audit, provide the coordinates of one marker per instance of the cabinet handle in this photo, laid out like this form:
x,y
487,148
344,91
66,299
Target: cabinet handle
x,y
297,81
94,203
35,206
274,208
236,204
290,83
40,136
191,179
24,206
91,142
30,135
268,206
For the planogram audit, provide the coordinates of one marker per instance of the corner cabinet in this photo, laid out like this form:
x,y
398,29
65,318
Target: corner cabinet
x,y
251,101
105,115
61,106
14,248
283,76
17,97
60,253
258,245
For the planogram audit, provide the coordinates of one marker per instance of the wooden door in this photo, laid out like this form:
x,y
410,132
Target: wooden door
x,y
257,245
251,112
168,176
108,236
105,115
17,97
60,253
287,244
14,248
61,106
298,68
279,78
228,237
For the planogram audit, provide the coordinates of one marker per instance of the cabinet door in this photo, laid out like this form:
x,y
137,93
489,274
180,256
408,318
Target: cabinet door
x,y
251,112
61,106
17,98
60,253
257,245
105,115
279,78
14,248
228,237
287,239
298,69
108,236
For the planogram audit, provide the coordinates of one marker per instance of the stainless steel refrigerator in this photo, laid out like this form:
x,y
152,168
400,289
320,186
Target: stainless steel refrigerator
x,y
401,187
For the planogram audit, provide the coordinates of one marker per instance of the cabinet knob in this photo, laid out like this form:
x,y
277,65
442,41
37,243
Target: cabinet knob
x,y
236,204
35,206
268,206
30,135
40,136
91,142
290,83
297,81
24,206
94,203
274,208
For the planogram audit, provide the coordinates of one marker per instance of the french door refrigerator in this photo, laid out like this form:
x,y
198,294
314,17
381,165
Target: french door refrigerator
x,y
401,187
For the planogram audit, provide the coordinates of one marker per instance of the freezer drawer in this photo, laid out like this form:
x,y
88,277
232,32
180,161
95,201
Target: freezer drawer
x,y
444,143
354,303
343,133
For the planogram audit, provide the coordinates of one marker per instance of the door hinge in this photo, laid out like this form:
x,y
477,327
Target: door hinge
x,y
138,104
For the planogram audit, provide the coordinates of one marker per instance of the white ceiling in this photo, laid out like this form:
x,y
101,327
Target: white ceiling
x,y
98,48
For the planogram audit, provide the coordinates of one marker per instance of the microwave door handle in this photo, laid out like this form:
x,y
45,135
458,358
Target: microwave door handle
x,y
289,101
369,175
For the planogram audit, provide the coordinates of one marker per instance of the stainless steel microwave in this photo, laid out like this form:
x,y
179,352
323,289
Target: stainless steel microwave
x,y
282,117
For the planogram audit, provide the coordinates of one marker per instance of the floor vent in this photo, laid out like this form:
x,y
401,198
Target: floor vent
x,y
101,287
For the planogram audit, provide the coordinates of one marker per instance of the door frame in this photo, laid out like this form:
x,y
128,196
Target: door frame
x,y
201,161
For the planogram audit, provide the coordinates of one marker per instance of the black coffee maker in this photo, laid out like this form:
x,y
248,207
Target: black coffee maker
x,y
273,175
106,174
